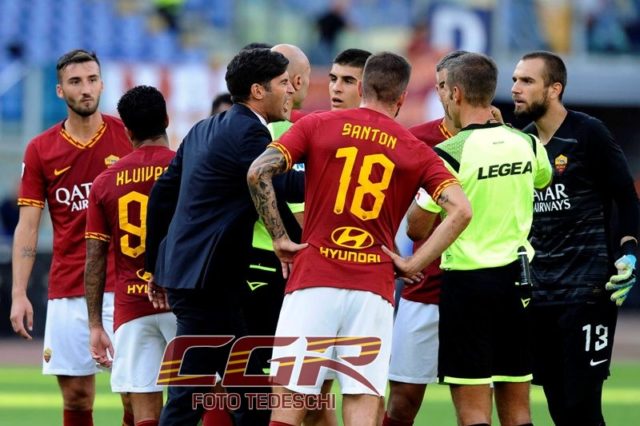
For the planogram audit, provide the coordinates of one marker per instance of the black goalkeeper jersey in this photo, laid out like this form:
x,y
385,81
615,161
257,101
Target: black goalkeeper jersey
x,y
571,229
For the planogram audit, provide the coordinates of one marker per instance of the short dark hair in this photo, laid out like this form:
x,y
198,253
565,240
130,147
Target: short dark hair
x,y
352,58
257,45
477,75
554,69
76,56
253,66
143,111
385,77
444,61
222,98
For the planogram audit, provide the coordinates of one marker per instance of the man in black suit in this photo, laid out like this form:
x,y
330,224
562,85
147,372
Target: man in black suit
x,y
200,220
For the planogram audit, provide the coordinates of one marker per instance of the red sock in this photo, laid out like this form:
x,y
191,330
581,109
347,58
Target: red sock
x,y
216,417
387,421
78,418
274,423
149,422
127,418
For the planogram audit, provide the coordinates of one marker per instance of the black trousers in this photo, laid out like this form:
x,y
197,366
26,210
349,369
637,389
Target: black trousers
x,y
206,312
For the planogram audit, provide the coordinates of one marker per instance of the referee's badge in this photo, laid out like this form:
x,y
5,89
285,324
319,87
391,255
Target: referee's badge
x,y
560,163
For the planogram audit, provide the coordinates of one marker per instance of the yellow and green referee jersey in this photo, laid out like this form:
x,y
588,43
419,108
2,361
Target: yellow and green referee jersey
x,y
498,167
261,237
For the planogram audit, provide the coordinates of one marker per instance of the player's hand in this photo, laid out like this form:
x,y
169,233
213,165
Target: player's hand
x,y
405,268
21,310
286,249
157,296
621,283
100,346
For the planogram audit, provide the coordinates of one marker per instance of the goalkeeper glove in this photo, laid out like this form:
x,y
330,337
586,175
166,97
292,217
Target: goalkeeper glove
x,y
625,279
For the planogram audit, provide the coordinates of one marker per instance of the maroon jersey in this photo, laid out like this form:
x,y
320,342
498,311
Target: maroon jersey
x,y
428,290
362,171
59,170
117,211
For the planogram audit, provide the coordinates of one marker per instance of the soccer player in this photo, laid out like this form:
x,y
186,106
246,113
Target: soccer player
x,y
59,167
484,314
577,280
414,350
344,78
117,212
362,170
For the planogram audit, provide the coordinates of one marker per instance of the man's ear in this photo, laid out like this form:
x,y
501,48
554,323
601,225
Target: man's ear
x,y
59,91
257,91
297,82
457,95
360,88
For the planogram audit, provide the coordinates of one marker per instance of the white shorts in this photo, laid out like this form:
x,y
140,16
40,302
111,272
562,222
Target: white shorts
x,y
139,346
414,351
332,312
66,336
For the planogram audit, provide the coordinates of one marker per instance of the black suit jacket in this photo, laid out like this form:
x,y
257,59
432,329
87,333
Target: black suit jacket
x,y
200,215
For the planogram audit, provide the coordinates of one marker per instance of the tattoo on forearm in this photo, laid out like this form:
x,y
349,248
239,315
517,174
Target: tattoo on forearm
x,y
94,278
29,252
270,163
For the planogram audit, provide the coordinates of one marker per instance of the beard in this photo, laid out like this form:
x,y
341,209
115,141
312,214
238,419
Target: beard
x,y
535,111
81,110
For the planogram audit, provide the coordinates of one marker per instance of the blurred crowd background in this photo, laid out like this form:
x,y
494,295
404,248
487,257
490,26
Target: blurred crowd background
x,y
182,47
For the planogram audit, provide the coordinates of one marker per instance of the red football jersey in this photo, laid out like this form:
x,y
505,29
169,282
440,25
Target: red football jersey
x,y
59,170
428,290
117,211
362,170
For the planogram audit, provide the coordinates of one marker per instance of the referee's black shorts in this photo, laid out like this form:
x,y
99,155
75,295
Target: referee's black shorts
x,y
485,327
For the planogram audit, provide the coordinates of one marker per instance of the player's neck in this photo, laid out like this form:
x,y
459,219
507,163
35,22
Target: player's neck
x,y
83,129
450,126
548,124
160,140
390,110
474,115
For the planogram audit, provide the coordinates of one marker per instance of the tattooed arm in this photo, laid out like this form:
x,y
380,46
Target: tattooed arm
x,y
95,272
25,241
260,181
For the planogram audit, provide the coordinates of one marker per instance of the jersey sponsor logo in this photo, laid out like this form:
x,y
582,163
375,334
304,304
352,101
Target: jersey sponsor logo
x,y
58,172
143,275
553,198
560,163
350,256
76,197
352,238
254,285
505,169
110,160
525,302
137,288
594,363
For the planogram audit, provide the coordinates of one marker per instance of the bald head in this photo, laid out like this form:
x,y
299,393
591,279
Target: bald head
x,y
299,71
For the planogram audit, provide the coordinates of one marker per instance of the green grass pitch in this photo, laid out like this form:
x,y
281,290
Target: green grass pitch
x,y
27,397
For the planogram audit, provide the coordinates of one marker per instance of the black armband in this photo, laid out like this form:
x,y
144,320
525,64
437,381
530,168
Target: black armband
x,y
629,247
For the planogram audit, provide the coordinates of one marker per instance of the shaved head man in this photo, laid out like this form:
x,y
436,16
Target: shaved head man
x,y
299,71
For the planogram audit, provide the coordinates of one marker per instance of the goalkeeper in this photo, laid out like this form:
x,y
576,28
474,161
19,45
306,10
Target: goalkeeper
x,y
578,283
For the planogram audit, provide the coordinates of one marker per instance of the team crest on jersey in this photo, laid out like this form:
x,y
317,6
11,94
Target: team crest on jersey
x,y
352,238
108,161
560,163
47,354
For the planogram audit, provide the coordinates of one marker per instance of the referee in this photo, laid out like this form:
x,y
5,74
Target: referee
x,y
484,309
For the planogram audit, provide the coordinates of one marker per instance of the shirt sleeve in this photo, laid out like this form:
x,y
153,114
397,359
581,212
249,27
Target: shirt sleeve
x,y
544,172
614,176
97,227
33,183
294,142
436,177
